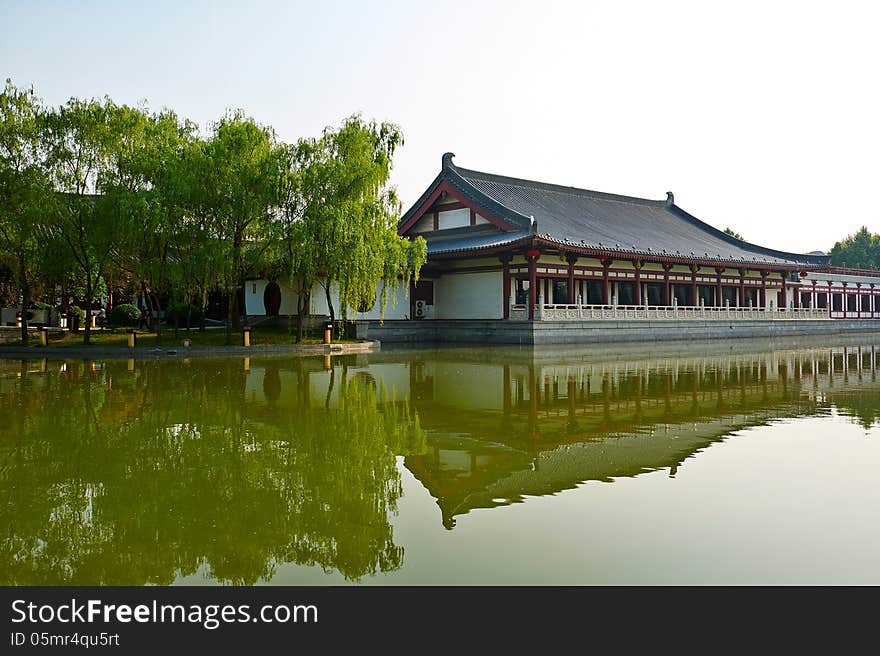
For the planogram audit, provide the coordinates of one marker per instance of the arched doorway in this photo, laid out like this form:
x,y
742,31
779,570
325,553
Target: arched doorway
x,y
272,299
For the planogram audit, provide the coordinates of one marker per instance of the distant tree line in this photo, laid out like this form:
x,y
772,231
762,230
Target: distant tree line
x,y
95,195
858,251
861,250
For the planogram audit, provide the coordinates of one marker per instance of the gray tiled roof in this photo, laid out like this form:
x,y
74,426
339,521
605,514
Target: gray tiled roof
x,y
596,220
466,241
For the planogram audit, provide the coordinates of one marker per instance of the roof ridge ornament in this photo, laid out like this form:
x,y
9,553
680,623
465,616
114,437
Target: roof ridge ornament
x,y
670,199
447,160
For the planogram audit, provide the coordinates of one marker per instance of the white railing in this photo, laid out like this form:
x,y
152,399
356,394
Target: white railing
x,y
662,312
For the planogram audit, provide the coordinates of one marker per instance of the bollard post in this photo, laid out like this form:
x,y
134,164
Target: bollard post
x,y
247,365
327,364
246,336
132,338
328,331
44,336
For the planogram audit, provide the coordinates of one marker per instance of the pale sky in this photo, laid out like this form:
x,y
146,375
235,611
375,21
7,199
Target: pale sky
x,y
761,116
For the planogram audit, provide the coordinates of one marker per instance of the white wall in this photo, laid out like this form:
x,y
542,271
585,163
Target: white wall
x,y
253,298
397,308
469,296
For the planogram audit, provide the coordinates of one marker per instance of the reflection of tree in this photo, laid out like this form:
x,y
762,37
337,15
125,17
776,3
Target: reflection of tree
x,y
863,407
139,477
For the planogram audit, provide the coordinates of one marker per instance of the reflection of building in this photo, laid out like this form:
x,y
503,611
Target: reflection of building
x,y
544,428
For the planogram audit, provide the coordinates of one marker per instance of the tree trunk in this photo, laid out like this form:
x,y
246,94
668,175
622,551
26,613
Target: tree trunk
x,y
204,307
87,336
300,308
237,277
25,301
148,315
157,322
329,301
176,318
230,313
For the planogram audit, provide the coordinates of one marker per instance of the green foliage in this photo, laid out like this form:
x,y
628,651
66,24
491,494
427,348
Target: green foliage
x,y
237,177
95,194
25,191
183,315
125,315
861,250
733,233
339,218
76,310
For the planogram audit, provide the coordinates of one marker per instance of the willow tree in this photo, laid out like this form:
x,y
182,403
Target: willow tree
x,y
79,139
346,234
238,165
140,188
25,192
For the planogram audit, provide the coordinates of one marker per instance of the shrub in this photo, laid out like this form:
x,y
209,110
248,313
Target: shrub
x,y
78,311
126,315
176,314
42,306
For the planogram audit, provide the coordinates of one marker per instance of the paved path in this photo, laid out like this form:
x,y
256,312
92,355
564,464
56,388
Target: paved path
x,y
165,352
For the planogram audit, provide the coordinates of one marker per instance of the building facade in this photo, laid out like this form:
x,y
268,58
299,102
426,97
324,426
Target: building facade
x,y
502,248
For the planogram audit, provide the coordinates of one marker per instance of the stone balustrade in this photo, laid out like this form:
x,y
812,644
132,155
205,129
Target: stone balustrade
x,y
660,313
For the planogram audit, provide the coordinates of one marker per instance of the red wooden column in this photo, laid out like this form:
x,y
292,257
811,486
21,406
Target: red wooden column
x,y
742,287
797,296
606,292
694,299
764,275
667,292
505,271
637,297
532,257
718,272
843,303
571,259
829,300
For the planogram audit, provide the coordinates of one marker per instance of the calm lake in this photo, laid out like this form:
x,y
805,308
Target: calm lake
x,y
720,463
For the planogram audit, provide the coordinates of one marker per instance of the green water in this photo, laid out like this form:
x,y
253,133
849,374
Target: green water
x,y
726,463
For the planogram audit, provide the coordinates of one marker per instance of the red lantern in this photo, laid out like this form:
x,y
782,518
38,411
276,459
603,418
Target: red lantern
x,y
803,274
533,253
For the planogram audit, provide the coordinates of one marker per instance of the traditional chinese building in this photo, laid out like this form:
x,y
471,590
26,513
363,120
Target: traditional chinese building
x,y
502,247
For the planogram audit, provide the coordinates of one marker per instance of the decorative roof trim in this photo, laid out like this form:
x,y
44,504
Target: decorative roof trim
x,y
442,189
454,180
451,181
